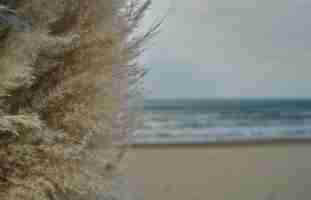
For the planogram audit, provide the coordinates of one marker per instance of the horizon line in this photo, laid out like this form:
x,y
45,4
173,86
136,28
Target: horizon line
x,y
229,98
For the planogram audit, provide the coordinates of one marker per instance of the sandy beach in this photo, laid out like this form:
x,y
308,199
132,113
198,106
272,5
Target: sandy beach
x,y
276,171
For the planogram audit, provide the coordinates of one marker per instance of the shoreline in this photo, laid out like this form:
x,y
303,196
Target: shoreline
x,y
230,142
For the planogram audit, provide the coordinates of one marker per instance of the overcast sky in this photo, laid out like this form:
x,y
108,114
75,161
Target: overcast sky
x,y
221,48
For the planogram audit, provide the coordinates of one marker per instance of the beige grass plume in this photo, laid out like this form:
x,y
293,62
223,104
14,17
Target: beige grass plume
x,y
65,70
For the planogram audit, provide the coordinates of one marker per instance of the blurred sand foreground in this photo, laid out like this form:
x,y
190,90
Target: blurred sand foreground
x,y
225,172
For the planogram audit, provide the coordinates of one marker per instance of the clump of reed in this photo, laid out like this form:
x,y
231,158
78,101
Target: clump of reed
x,y
66,67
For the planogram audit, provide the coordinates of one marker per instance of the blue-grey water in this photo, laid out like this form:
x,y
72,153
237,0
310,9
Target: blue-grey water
x,y
188,120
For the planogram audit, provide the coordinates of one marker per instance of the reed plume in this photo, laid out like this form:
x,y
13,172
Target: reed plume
x,y
66,67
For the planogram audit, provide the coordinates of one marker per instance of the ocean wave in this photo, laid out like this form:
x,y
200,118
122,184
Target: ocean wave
x,y
227,131
226,118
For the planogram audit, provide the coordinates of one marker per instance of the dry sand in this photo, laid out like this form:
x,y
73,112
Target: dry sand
x,y
220,172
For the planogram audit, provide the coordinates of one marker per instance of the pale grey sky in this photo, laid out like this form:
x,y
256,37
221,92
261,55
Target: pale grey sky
x,y
221,48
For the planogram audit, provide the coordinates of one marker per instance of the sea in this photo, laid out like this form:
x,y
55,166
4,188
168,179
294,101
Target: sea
x,y
209,120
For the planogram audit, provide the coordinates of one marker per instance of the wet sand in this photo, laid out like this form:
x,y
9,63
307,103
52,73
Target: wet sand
x,y
267,171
